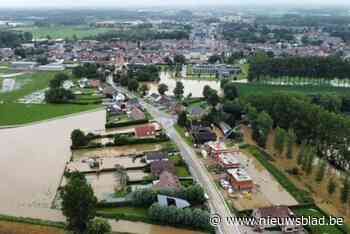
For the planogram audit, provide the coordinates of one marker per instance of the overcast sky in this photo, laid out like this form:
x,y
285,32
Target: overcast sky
x,y
126,3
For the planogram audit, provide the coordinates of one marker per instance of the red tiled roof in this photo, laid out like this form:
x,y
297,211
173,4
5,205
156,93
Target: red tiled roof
x,y
145,130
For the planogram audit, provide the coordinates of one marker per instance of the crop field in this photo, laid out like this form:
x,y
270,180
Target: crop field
x,y
63,31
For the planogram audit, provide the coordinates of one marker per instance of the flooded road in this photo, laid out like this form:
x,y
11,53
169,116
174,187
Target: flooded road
x,y
191,86
33,158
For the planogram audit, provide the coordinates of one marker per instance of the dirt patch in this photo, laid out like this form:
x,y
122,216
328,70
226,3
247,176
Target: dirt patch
x,y
329,203
22,228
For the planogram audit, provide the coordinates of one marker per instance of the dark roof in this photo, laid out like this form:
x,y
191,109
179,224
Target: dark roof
x,y
197,111
156,155
275,211
157,167
168,180
202,135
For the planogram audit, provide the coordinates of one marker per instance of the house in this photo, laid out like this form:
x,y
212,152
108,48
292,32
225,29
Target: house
x,y
51,67
155,156
95,83
239,179
145,131
83,83
197,112
201,135
23,66
229,160
137,114
119,97
68,84
277,212
157,167
167,181
108,91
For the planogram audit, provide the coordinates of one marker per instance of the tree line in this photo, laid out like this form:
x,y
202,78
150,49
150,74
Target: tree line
x,y
327,131
309,67
12,39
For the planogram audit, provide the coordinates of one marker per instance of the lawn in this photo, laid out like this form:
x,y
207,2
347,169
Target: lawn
x,y
182,131
125,213
182,171
64,31
16,113
254,88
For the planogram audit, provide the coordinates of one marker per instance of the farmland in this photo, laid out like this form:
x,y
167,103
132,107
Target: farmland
x,y
13,113
63,31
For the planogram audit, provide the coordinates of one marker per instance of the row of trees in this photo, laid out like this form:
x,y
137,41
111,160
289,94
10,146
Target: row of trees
x,y
328,132
56,93
146,197
309,67
12,39
195,218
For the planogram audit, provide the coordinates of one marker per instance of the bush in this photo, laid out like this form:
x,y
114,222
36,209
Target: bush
x,y
125,124
196,218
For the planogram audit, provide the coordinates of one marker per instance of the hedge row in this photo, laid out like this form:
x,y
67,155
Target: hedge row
x,y
135,141
125,124
32,221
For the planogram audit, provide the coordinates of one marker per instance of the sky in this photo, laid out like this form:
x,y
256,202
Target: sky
x,y
125,3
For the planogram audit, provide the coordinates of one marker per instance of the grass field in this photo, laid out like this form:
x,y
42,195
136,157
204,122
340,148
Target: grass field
x,y
250,88
63,31
28,84
13,113
16,113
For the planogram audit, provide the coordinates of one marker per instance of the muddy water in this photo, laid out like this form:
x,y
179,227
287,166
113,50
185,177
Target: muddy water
x,y
143,228
191,86
33,158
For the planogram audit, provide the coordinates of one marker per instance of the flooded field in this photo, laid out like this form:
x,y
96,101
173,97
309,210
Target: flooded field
x,y
115,151
103,184
191,86
33,158
144,228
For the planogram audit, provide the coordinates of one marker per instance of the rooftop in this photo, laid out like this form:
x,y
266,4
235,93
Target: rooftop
x,y
239,174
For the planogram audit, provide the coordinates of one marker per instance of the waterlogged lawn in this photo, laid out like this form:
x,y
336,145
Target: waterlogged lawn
x,y
16,113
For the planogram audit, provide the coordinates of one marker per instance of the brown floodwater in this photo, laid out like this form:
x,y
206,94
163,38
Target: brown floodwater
x,y
191,86
33,158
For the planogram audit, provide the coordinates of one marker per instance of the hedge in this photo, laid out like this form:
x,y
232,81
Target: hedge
x,y
125,124
300,195
32,221
135,141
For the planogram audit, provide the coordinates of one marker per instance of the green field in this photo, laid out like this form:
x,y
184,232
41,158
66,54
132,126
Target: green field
x,y
63,31
28,84
13,113
319,229
16,113
251,88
